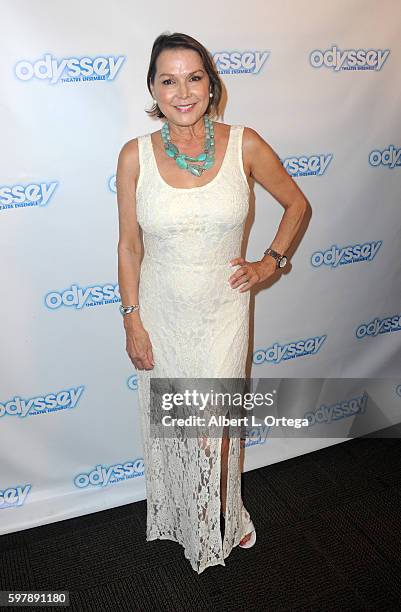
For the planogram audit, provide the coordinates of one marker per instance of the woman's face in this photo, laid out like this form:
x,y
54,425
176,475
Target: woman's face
x,y
181,86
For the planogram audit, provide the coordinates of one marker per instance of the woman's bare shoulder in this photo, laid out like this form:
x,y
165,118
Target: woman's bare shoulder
x,y
251,136
128,158
130,148
256,148
254,144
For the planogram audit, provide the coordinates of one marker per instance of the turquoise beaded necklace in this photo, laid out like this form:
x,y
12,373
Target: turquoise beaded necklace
x,y
184,161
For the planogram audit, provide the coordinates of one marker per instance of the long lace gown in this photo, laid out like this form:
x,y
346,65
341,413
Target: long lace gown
x,y
198,327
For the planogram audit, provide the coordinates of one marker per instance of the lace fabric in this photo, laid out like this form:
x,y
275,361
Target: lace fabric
x,y
198,326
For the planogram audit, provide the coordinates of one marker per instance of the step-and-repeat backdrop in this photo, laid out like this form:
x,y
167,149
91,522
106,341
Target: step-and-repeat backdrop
x,y
322,87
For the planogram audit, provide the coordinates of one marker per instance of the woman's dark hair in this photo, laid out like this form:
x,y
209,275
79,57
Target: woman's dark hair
x,y
183,41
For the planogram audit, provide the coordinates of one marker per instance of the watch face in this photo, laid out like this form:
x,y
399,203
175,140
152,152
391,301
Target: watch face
x,y
283,261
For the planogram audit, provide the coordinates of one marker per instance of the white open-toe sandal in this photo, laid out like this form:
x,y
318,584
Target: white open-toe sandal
x,y
250,528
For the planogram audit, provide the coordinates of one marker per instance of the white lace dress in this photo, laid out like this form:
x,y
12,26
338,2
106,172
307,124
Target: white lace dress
x,y
198,326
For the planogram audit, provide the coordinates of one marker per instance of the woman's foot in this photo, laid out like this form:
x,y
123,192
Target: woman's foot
x,y
245,539
249,539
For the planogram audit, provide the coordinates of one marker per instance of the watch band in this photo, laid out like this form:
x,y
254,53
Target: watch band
x,y
281,260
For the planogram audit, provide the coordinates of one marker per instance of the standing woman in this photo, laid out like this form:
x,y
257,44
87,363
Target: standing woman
x,y
184,190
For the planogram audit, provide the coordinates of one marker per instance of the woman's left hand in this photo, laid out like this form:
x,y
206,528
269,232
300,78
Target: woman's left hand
x,y
251,272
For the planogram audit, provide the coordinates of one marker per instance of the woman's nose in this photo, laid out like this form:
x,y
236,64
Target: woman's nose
x,y
183,90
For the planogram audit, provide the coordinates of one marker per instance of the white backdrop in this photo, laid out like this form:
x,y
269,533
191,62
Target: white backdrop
x,y
322,87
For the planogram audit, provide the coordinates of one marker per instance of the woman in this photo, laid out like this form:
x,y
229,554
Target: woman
x,y
184,190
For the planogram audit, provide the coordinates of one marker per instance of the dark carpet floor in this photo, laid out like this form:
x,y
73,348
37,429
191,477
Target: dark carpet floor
x,y
328,538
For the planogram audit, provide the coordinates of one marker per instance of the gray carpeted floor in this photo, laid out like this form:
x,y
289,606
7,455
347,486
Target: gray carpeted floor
x,y
328,538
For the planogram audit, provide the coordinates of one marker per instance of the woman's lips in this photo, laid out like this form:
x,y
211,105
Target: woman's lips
x,y
185,108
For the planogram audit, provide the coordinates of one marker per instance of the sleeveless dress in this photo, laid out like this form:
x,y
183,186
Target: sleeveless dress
x,y
198,326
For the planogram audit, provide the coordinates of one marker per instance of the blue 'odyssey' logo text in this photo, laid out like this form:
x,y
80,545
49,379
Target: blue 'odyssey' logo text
x,y
41,404
257,435
32,194
339,256
379,326
390,157
132,382
78,297
112,183
305,166
101,475
14,496
282,352
71,69
350,59
238,62
337,411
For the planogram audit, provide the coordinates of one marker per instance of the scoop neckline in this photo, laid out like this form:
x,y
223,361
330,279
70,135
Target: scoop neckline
x,y
190,188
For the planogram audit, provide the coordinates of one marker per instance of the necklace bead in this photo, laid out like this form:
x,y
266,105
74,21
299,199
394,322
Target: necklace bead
x,y
206,157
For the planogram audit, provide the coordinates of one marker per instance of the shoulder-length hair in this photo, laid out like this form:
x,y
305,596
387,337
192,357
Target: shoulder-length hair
x,y
183,41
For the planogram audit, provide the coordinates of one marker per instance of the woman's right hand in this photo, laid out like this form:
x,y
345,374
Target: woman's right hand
x,y
139,346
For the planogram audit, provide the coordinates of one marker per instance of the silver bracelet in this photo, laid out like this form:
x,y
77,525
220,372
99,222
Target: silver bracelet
x,y
127,309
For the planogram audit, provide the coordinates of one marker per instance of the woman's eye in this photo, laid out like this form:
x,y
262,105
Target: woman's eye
x,y
168,81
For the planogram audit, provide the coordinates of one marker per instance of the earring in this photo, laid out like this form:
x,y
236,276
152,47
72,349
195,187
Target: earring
x,y
210,95
154,101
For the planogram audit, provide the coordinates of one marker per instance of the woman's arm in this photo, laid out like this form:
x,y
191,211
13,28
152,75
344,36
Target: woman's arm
x,y
265,167
129,243
130,254
263,164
